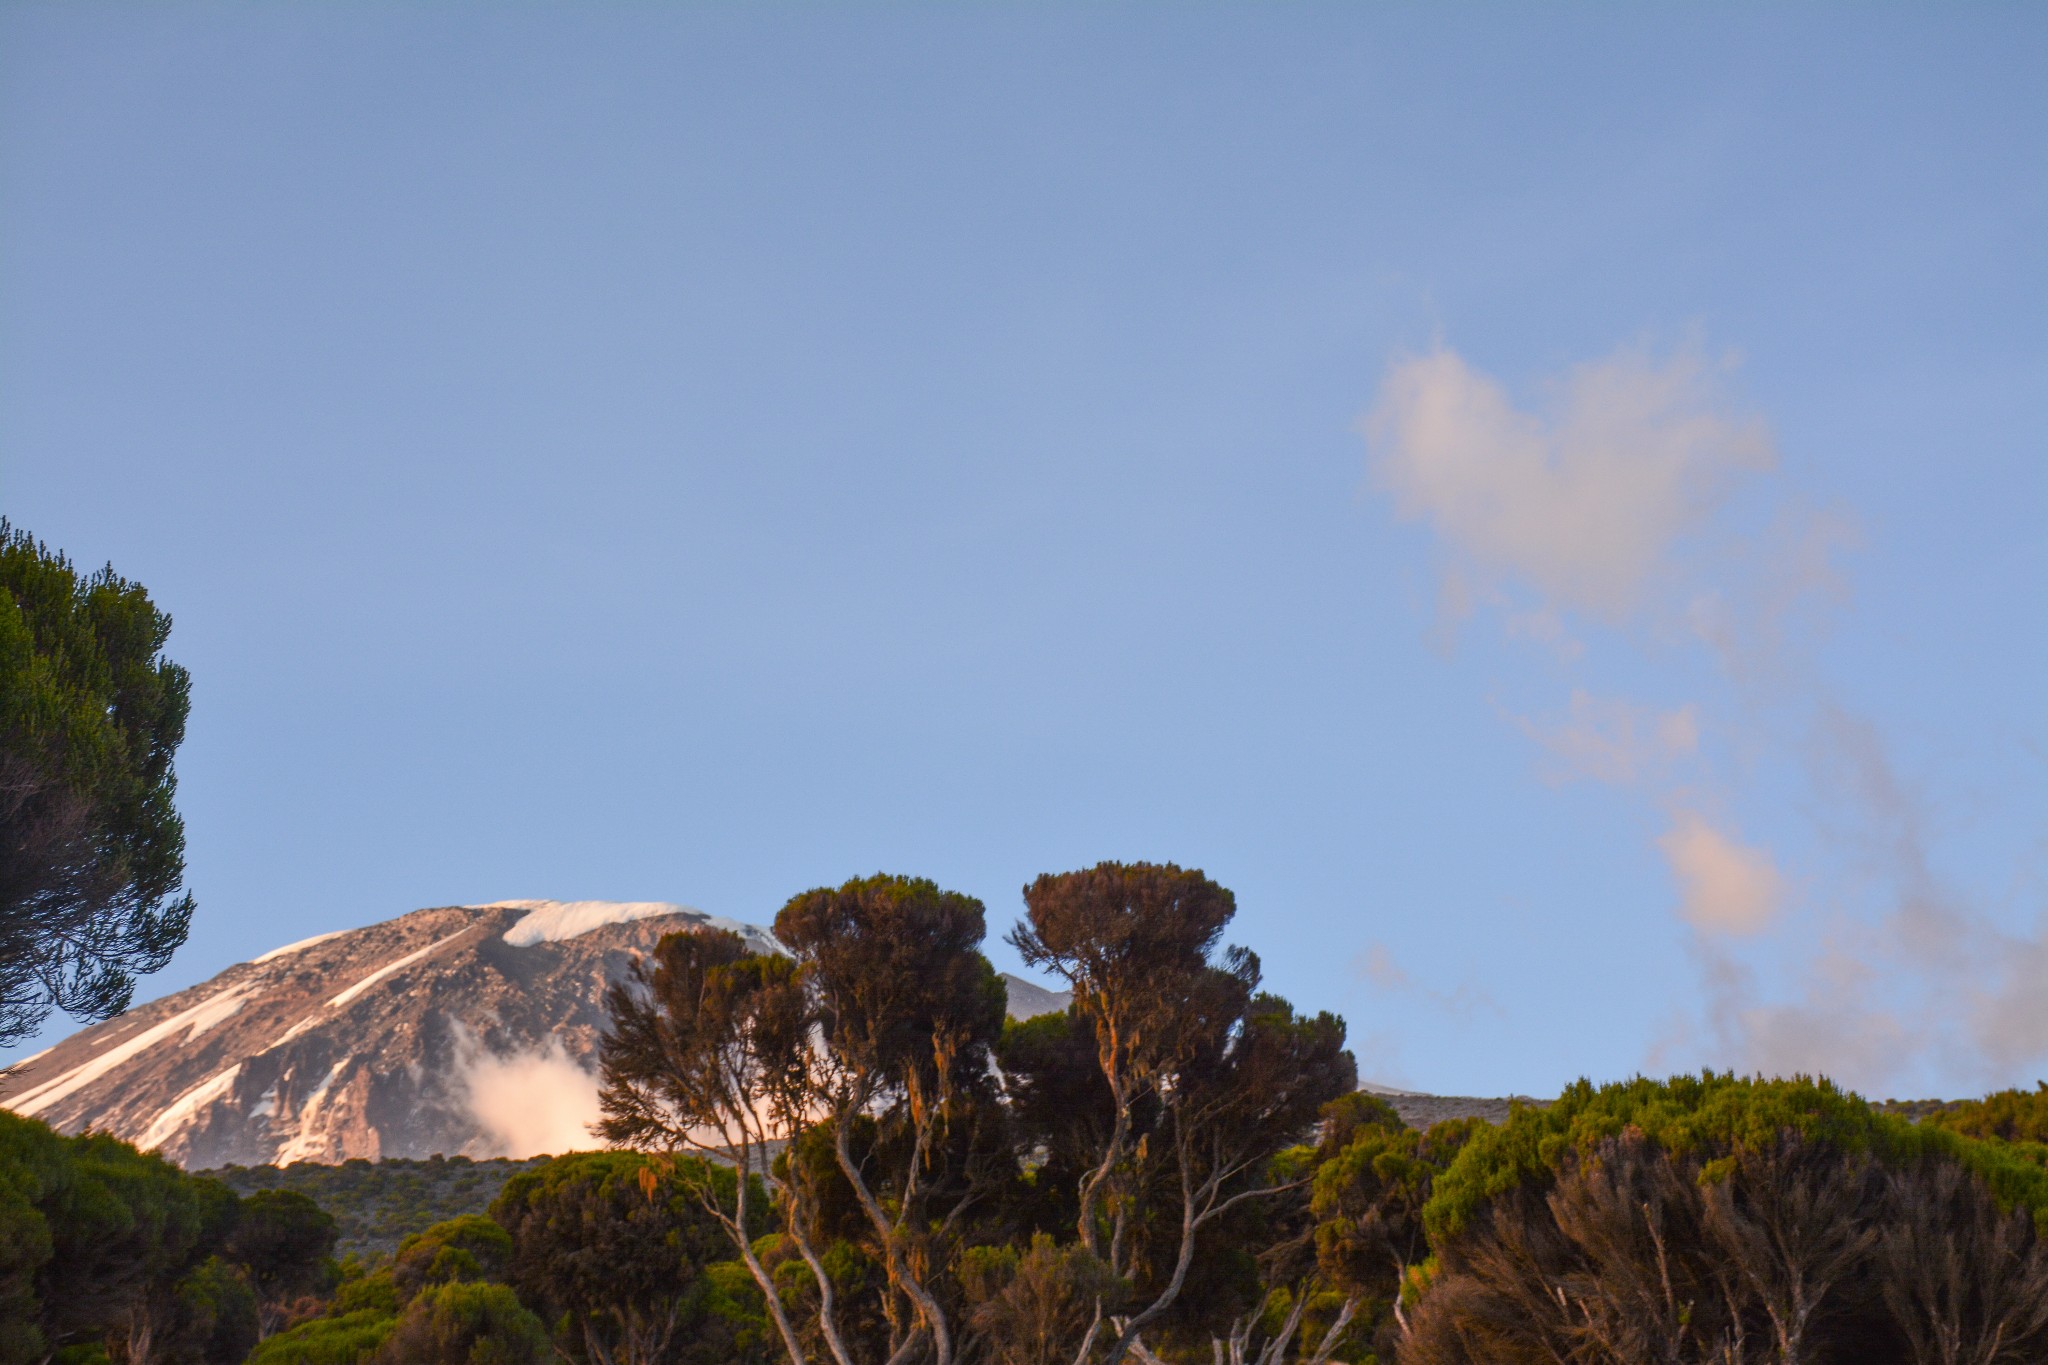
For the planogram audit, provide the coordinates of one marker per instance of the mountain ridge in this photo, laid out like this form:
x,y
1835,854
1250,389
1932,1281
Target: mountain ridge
x,y
468,1030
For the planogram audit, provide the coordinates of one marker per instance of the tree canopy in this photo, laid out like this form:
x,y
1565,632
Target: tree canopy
x,y
92,849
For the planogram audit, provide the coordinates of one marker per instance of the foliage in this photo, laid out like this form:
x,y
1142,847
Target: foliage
x,y
2015,1117
206,1318
378,1204
92,850
1201,1083
287,1242
340,1340
612,1245
102,1246
1715,1218
465,1323
468,1248
1713,1114
1373,1178
1039,1306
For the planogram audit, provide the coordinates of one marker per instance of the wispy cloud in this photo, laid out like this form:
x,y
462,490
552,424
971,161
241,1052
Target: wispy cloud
x,y
1614,740
1584,503
1608,511
1376,966
1727,887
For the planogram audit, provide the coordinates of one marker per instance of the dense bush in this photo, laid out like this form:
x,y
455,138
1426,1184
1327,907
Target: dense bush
x,y
104,1247
1711,1218
611,1247
339,1340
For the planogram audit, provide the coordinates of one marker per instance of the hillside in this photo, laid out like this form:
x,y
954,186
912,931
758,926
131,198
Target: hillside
x,y
379,1203
466,1030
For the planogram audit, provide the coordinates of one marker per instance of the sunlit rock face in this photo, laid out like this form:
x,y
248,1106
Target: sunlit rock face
x,y
469,1030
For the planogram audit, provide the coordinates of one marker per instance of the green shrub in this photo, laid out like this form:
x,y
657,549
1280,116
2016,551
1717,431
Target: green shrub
x,y
466,1324
1711,1117
343,1340
1666,1220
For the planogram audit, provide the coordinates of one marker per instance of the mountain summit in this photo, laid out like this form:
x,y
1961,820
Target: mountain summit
x,y
467,1029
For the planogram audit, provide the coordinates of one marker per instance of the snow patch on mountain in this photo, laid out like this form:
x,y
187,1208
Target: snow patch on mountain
x,y
195,1021
388,968
309,1141
560,921
186,1108
291,948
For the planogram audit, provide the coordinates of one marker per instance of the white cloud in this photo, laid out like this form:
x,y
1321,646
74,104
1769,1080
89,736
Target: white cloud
x,y
1585,505
1728,888
529,1103
1612,739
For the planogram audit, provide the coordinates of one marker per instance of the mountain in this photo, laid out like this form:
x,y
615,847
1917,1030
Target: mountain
x,y
464,1030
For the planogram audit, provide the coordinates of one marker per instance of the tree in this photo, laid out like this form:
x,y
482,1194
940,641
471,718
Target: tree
x,y
465,1323
341,1339
286,1243
105,1248
908,1011
874,1033
1040,1306
92,850
208,1317
708,1050
611,1245
469,1248
1373,1178
1206,1080
1966,1280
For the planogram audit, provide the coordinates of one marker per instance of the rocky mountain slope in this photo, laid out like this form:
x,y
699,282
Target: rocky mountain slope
x,y
464,1030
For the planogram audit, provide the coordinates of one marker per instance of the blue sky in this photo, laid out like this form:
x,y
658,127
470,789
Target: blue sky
x,y
1547,504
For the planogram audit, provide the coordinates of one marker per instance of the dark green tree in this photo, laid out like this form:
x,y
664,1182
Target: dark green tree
x,y
107,1249
466,1323
207,1317
908,1011
468,1249
708,1049
1373,1178
92,850
611,1246
1206,1080
285,1241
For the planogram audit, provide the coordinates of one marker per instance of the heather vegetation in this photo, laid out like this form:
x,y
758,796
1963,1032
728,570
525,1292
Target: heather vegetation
x,y
848,1155
378,1204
